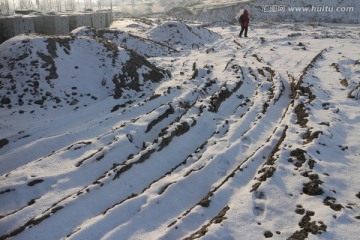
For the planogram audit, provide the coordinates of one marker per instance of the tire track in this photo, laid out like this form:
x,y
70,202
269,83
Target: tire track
x,y
141,159
78,193
99,154
163,189
265,172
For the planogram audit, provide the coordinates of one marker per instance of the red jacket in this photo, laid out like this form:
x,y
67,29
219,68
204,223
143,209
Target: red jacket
x,y
245,19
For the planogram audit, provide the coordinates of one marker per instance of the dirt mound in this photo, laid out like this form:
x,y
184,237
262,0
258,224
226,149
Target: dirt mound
x,y
58,71
180,35
142,46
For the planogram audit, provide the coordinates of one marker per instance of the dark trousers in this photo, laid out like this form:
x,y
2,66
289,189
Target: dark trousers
x,y
242,30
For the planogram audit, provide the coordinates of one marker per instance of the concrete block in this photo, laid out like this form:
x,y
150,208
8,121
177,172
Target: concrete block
x,y
53,24
49,24
108,17
16,25
56,24
79,20
63,25
98,20
2,22
10,28
27,25
38,23
2,29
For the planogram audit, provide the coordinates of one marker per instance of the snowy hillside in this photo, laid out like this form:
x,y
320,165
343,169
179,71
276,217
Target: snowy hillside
x,y
142,46
247,138
327,11
181,35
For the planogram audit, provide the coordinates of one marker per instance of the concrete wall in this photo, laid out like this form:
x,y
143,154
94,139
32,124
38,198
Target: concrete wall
x,y
16,25
51,24
62,25
79,20
108,17
25,25
98,20
2,29
38,23
9,27
56,24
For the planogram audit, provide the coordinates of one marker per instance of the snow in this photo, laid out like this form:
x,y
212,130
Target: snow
x,y
224,147
142,46
272,11
181,35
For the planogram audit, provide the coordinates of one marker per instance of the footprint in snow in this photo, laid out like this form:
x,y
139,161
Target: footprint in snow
x,y
259,204
222,166
246,142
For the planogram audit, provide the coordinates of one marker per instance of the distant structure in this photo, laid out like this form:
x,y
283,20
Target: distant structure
x,y
51,24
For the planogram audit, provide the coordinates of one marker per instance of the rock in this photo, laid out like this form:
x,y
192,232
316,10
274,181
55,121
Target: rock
x,y
34,182
73,102
312,188
268,234
300,211
299,154
32,201
269,172
5,100
3,142
308,226
330,201
299,235
39,102
358,195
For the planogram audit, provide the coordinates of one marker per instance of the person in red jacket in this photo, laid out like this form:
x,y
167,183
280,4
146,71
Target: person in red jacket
x,y
244,21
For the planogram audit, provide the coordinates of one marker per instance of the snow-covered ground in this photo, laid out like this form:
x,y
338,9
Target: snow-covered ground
x,y
273,11
214,137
